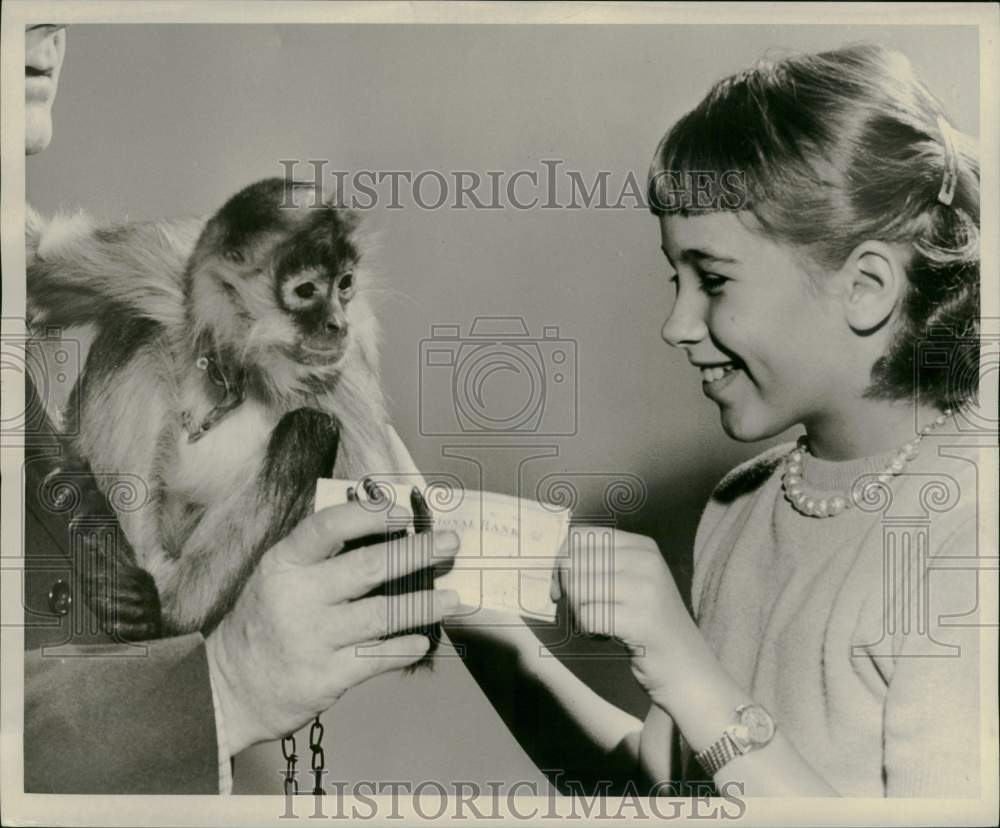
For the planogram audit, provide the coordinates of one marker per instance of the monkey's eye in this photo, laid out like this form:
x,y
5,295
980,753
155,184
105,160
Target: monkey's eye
x,y
347,281
306,290
233,255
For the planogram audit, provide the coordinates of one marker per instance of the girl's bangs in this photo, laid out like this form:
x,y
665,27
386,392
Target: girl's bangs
x,y
703,165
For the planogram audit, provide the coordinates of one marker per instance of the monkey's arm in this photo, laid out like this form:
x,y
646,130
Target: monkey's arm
x,y
78,272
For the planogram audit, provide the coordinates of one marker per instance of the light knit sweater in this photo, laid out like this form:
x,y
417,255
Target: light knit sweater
x,y
827,622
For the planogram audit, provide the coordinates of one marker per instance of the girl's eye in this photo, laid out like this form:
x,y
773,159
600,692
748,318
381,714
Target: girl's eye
x,y
234,256
711,283
347,281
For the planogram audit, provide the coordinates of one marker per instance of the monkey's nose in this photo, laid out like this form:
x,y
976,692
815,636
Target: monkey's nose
x,y
334,323
333,330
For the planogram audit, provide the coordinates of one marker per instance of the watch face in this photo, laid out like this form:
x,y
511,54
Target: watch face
x,y
757,724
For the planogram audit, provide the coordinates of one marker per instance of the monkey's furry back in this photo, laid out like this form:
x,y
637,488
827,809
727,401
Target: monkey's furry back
x,y
205,524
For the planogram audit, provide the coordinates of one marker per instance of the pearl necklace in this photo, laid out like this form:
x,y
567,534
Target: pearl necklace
x,y
830,504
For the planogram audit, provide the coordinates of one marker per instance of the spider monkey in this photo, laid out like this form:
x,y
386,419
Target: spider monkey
x,y
235,362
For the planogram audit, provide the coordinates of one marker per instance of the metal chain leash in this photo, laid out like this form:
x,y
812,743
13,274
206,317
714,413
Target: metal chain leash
x,y
318,764
288,751
318,757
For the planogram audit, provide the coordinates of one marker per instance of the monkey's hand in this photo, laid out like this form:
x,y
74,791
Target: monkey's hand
x,y
121,595
423,522
271,677
79,272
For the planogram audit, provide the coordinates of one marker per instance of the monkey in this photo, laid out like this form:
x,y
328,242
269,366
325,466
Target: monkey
x,y
235,361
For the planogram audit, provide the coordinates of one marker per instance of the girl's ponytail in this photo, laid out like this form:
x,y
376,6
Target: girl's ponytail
x,y
936,350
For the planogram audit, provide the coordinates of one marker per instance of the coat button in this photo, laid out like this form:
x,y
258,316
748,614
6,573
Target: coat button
x,y
60,597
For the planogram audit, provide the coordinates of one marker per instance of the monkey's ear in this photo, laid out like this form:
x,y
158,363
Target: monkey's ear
x,y
350,218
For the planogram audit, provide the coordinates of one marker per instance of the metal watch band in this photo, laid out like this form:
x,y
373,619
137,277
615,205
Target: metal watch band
x,y
718,754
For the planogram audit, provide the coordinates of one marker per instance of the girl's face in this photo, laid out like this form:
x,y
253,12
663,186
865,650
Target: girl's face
x,y
768,343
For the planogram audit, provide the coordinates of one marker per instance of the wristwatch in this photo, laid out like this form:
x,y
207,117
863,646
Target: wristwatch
x,y
753,729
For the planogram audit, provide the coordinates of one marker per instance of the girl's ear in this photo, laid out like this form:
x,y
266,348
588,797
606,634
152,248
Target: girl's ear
x,y
874,284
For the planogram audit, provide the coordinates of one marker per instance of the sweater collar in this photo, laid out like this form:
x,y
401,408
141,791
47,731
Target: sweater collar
x,y
841,475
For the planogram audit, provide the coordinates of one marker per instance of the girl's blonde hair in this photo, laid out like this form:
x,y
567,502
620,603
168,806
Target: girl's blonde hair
x,y
831,150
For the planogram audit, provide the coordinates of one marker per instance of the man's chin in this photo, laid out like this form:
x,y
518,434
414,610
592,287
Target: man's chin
x,y
37,131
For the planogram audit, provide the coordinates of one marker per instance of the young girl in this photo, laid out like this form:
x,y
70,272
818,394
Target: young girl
x,y
820,218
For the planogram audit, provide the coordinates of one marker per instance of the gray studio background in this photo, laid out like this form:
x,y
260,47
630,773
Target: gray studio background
x,y
167,120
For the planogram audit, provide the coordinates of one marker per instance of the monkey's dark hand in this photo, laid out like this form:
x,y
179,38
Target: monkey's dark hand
x,y
423,522
302,631
122,595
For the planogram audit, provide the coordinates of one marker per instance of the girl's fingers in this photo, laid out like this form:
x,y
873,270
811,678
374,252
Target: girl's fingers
x,y
590,582
615,567
603,618
580,603
618,538
597,564
595,617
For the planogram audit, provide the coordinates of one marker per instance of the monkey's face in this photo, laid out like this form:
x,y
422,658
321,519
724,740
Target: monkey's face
x,y
276,272
315,281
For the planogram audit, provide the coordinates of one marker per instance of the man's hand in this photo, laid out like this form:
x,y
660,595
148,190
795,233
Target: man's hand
x,y
290,647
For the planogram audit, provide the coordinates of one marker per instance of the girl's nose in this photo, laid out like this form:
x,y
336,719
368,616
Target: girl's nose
x,y
686,324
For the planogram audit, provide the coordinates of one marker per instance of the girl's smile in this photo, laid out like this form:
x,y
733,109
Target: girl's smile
x,y
716,378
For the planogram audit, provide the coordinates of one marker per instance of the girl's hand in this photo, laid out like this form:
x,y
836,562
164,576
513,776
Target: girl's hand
x,y
617,584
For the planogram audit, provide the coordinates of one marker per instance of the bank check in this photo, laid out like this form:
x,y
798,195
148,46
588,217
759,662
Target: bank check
x,y
509,544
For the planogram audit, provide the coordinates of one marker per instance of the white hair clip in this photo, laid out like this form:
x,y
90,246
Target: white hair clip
x,y
950,179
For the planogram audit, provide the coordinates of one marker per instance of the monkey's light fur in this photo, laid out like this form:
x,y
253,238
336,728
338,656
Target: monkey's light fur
x,y
269,293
